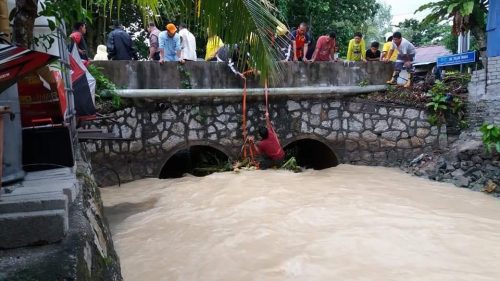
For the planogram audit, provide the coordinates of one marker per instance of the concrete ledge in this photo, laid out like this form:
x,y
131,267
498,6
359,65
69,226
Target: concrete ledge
x,y
35,211
53,201
32,228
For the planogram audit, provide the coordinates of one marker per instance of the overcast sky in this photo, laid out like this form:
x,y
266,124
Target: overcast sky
x,y
404,9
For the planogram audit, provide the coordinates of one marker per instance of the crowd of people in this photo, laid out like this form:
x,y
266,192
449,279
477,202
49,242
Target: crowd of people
x,y
178,44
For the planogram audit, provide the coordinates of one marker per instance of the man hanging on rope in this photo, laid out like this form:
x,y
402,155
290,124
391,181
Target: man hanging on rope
x,y
269,150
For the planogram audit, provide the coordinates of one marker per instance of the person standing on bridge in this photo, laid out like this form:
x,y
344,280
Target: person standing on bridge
x,y
356,48
170,45
300,42
188,43
119,44
385,51
154,46
78,40
406,56
325,48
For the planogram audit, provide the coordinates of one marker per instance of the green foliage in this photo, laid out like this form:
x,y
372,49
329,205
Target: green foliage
x,y
462,78
363,83
105,89
291,164
491,137
465,14
375,29
442,103
421,33
391,89
185,77
67,11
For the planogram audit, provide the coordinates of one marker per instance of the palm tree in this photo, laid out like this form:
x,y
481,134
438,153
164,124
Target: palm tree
x,y
4,20
466,15
250,23
24,20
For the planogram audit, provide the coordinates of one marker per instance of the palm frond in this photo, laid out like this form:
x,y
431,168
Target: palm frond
x,y
249,23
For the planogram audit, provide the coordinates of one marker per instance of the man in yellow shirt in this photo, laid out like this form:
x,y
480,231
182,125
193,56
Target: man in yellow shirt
x,y
213,44
357,48
387,48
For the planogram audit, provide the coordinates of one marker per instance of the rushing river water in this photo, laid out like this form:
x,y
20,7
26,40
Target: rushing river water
x,y
343,223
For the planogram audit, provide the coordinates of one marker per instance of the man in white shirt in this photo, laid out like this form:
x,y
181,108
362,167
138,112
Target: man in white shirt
x,y
405,59
188,43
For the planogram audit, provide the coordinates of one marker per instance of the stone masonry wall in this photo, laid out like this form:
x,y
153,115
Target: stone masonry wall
x,y
484,94
358,131
493,90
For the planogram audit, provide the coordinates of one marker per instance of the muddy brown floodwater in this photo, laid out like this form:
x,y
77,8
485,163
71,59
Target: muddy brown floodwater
x,y
342,223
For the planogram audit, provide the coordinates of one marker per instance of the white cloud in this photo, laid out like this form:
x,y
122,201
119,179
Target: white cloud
x,y
402,9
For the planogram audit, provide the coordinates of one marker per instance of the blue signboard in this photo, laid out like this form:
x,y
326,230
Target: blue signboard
x,y
462,58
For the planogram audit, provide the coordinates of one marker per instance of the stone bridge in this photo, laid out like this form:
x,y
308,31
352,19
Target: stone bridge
x,y
323,121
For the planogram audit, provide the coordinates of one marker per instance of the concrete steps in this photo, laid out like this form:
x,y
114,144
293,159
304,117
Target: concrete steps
x,y
36,210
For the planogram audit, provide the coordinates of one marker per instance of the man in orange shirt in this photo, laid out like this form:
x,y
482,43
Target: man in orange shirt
x,y
300,42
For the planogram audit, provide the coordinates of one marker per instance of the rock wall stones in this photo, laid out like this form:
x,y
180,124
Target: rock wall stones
x,y
484,94
465,164
357,131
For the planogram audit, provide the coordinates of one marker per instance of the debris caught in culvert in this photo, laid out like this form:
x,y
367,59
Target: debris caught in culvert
x,y
490,186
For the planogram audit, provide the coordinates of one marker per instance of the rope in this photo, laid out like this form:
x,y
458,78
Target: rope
x,y
268,120
248,149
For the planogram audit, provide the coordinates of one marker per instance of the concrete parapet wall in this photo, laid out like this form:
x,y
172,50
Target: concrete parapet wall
x,y
214,75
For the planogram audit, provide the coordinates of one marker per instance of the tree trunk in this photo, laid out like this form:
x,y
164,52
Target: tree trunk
x,y
24,22
478,28
4,20
480,34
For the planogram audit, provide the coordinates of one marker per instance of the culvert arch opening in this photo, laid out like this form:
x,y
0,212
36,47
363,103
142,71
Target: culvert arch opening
x,y
311,154
197,160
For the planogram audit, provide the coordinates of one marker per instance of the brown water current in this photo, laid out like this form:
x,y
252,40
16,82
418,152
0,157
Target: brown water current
x,y
343,223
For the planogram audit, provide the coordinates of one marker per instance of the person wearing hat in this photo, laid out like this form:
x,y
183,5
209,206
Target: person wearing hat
x,y
170,44
119,44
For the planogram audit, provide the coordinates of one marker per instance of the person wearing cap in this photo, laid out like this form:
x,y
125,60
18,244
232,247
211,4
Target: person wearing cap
x,y
119,44
170,44
386,48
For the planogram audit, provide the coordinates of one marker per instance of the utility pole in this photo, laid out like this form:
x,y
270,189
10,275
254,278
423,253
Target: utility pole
x,y
463,44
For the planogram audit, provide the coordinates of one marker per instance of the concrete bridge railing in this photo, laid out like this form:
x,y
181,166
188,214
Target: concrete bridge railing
x,y
215,75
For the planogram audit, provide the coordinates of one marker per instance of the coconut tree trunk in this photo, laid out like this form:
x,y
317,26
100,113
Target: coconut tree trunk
x,y
24,22
478,31
4,20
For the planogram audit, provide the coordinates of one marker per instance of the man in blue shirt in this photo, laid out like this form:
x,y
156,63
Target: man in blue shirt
x,y
170,44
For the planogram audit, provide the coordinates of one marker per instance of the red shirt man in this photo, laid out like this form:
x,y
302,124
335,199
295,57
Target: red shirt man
x,y
79,29
270,146
325,48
